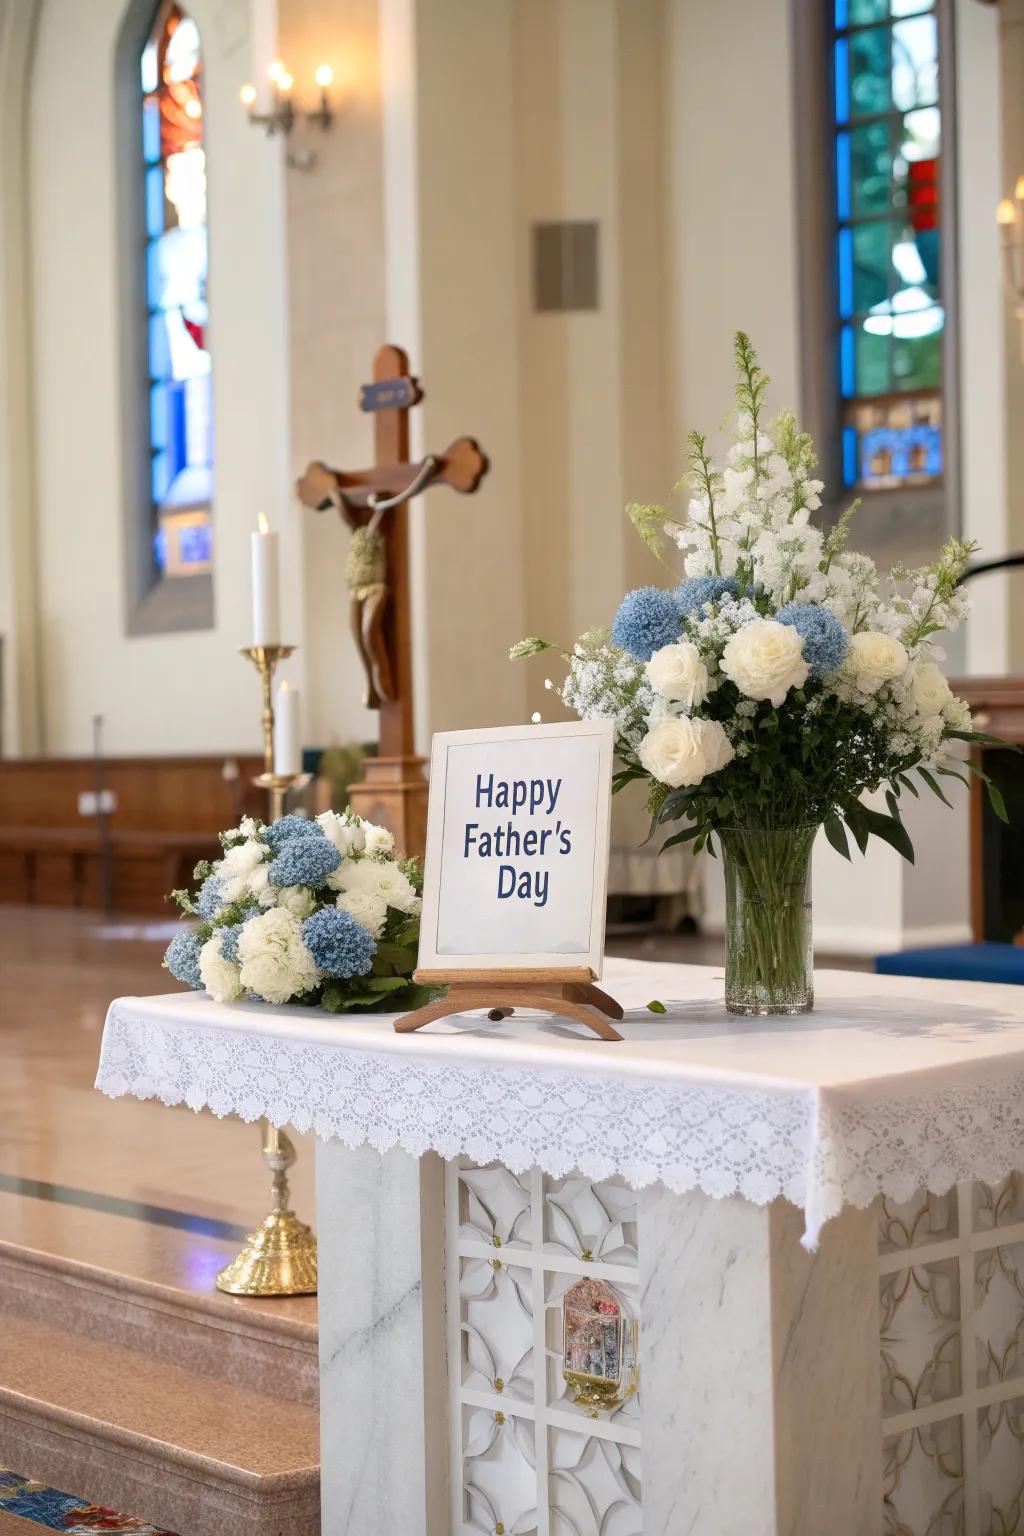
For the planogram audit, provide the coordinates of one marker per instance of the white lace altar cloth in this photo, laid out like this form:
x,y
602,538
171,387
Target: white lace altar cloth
x,y
892,1085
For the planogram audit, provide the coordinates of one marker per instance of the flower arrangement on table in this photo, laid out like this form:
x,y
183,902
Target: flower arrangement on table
x,y
314,912
776,685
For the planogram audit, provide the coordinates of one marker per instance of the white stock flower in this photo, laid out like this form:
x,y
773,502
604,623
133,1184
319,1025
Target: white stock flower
x,y
765,660
368,909
298,900
378,839
682,751
929,689
383,879
677,672
220,977
874,659
347,836
273,960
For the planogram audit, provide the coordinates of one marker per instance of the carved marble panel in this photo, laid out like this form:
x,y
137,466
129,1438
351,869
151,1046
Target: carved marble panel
x,y
595,1486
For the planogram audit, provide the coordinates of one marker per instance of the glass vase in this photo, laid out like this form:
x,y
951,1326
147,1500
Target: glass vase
x,y
769,954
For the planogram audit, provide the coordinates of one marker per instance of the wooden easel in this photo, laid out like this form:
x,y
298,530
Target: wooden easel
x,y
568,992
394,789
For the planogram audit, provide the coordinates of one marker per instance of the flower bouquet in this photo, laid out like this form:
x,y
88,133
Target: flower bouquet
x,y
774,687
313,912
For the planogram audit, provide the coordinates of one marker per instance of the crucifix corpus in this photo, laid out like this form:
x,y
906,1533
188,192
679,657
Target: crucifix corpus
x,y
373,502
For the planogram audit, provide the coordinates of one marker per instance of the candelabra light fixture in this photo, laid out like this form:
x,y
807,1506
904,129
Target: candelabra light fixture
x,y
282,116
1010,217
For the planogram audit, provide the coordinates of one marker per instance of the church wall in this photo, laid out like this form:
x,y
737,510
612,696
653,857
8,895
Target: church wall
x,y
184,692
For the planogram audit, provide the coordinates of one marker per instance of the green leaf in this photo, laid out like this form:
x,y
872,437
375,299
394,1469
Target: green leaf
x,y
836,834
996,801
934,786
656,1007
853,815
908,783
891,830
983,739
685,836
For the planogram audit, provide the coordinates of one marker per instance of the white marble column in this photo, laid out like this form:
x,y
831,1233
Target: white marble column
x,y
761,1393
380,1236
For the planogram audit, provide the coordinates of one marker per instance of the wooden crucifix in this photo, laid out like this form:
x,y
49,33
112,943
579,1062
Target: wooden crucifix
x,y
373,503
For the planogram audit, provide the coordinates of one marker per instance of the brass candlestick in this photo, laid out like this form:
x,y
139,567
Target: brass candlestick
x,y
279,1258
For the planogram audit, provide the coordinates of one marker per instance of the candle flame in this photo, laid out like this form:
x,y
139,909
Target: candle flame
x,y
262,524
1005,213
1018,190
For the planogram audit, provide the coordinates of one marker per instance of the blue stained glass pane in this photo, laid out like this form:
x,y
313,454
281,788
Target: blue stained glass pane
x,y
846,361
161,477
151,131
843,175
842,67
195,544
901,453
154,202
846,272
849,455
160,549
158,416
159,348
842,14
153,274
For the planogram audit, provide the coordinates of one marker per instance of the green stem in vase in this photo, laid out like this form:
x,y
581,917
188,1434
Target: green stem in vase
x,y
768,956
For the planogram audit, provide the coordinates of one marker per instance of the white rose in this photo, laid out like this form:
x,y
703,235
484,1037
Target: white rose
x,y
684,751
765,660
874,659
378,839
383,879
297,899
273,960
368,909
931,692
220,977
347,836
676,672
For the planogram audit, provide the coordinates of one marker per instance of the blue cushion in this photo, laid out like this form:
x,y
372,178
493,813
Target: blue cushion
x,y
958,962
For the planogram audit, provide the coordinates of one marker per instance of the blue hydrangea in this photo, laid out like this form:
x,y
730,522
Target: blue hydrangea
x,y
210,897
338,944
693,593
825,640
229,934
303,860
647,619
288,827
182,958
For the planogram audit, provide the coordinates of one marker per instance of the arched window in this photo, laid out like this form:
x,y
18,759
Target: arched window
x,y
890,307
180,416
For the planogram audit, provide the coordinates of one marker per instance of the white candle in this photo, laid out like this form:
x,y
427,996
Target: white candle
x,y
287,750
266,623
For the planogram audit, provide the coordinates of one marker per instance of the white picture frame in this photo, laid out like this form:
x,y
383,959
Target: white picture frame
x,y
462,928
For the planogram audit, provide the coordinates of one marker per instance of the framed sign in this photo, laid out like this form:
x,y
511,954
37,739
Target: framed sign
x,y
518,825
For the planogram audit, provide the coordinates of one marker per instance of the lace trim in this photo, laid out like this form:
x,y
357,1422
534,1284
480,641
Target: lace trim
x,y
820,1150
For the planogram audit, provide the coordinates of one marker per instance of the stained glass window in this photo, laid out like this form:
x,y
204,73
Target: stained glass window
x,y
180,407
888,120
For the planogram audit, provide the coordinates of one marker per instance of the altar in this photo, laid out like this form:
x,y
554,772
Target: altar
x,y
812,1226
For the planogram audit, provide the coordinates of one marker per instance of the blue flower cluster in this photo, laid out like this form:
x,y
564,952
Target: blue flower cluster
x,y
229,937
304,861
182,959
692,594
647,619
338,944
282,831
209,897
825,640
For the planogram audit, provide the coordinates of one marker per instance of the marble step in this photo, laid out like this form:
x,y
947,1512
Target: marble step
x,y
148,1437
151,1289
14,1525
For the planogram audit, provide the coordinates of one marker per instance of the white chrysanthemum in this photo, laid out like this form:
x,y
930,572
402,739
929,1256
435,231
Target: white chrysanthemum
x,y
873,659
765,660
258,886
677,672
368,909
347,836
298,900
929,689
683,751
235,869
383,879
220,978
378,839
273,960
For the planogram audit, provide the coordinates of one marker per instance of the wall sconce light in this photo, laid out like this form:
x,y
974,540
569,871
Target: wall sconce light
x,y
1010,218
282,115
